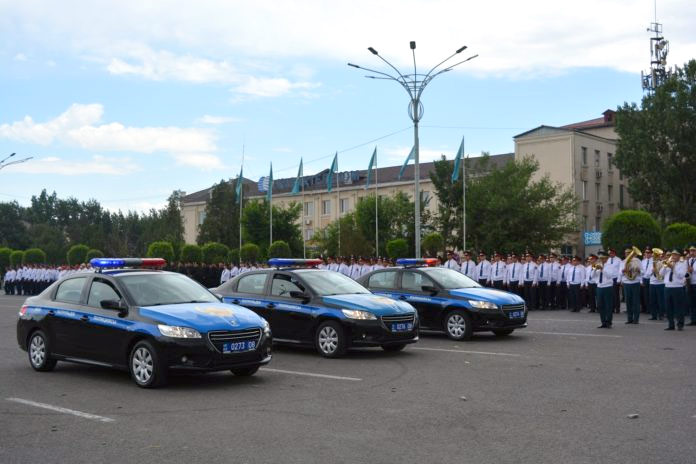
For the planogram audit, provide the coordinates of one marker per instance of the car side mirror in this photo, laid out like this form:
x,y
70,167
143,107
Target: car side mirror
x,y
299,295
429,288
116,305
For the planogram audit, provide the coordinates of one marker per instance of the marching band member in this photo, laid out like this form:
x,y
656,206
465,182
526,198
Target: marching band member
x,y
630,279
604,275
576,278
691,262
673,274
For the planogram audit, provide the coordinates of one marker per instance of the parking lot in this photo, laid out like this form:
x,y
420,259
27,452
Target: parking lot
x,y
560,391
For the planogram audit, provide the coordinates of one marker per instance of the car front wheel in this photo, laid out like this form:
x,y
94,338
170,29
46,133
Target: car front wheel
x,y
458,326
330,340
146,367
39,353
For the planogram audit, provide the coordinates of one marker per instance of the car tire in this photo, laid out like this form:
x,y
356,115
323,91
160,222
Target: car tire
x,y
245,371
39,352
394,348
503,332
330,340
146,367
458,326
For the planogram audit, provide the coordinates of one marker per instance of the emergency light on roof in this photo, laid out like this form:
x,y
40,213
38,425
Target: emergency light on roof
x,y
290,262
124,262
417,261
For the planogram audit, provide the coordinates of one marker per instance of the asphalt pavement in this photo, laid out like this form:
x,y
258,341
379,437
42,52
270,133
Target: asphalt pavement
x,y
560,391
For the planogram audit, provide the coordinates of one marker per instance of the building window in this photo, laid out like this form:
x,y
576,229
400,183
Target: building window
x,y
620,175
309,208
201,217
425,197
598,188
596,158
610,161
308,234
584,155
621,196
325,207
344,205
584,190
567,250
610,192
598,222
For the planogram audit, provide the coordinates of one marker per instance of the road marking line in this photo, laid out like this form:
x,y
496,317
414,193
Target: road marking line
x,y
81,414
464,351
560,320
311,374
573,334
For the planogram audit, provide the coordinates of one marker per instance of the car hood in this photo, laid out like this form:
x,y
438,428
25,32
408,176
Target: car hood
x,y
378,305
487,294
204,316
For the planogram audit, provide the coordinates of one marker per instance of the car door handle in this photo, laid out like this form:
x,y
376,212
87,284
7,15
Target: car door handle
x,y
235,301
270,305
84,318
403,297
51,312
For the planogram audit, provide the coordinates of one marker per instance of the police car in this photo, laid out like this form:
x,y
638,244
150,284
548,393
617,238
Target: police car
x,y
145,320
321,308
447,300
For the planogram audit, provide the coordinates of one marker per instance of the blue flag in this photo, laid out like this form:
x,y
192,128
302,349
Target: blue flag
x,y
373,160
296,188
238,188
457,162
269,194
408,158
334,168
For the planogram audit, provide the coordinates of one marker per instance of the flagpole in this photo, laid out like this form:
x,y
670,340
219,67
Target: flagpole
x,y
463,195
376,212
304,243
270,208
241,205
338,209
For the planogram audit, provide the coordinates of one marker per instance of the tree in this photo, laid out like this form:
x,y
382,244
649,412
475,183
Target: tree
x,y
250,252
526,214
630,227
221,223
233,256
16,258
51,240
255,225
433,243
4,258
77,254
679,236
34,256
657,147
279,249
214,253
161,249
13,232
93,253
397,248
353,242
191,254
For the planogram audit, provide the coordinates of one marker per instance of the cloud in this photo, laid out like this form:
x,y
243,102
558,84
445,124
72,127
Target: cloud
x,y
57,166
217,120
20,57
271,87
203,161
283,150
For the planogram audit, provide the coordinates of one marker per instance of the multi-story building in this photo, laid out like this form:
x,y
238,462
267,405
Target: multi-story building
x,y
580,156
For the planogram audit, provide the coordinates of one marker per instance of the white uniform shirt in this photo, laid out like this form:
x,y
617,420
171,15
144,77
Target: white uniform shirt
x,y
225,276
675,277
589,276
355,271
483,270
691,262
512,272
452,264
468,268
646,268
497,271
529,273
544,272
615,264
576,274
605,276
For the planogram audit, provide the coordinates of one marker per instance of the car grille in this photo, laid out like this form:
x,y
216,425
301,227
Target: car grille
x,y
406,318
218,337
507,309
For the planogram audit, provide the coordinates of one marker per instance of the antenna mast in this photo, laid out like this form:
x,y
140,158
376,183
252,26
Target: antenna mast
x,y
659,48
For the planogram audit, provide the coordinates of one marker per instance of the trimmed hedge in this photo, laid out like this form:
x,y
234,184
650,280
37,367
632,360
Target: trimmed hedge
x,y
397,248
214,252
433,243
161,249
630,227
93,253
77,254
250,252
279,249
191,254
679,235
34,256
16,258
233,256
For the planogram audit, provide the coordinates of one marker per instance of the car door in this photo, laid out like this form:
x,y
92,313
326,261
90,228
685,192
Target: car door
x,y
250,292
65,316
291,318
384,283
429,308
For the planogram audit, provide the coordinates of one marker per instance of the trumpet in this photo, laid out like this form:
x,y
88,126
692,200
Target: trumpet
x,y
597,266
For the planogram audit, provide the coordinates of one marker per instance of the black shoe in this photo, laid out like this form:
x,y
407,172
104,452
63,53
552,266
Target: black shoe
x,y
669,328
661,318
692,323
603,326
592,311
635,322
652,319
680,327
628,322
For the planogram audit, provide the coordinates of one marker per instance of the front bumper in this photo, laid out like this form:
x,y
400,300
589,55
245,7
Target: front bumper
x,y
490,319
376,333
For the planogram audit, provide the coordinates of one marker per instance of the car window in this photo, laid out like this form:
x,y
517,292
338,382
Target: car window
x,y
70,290
100,291
252,283
385,279
449,278
414,281
163,289
284,284
325,283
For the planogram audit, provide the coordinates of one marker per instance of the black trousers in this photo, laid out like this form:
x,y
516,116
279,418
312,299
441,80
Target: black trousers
x,y
498,284
592,296
617,297
529,294
553,292
644,295
543,294
483,282
574,297
562,295
513,288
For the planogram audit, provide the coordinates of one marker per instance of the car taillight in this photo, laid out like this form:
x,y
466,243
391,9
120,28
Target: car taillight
x,y
23,310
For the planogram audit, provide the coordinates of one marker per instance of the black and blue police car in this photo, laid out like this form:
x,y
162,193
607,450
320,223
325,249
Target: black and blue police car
x,y
321,308
447,300
147,321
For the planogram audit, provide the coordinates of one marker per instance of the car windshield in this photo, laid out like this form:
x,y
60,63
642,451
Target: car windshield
x,y
325,283
448,278
162,289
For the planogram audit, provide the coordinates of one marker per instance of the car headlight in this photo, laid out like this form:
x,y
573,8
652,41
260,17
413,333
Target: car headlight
x,y
266,328
483,304
358,314
178,332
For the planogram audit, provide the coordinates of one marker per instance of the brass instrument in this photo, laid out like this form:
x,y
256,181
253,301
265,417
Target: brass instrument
x,y
597,266
632,271
657,256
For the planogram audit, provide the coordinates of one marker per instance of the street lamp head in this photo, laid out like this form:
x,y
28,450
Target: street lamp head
x,y
461,49
413,45
373,51
353,65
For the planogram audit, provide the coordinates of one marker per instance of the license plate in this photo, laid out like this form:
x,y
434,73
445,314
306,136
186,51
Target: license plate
x,y
516,314
236,347
402,326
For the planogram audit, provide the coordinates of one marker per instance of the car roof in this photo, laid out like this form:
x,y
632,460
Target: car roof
x,y
119,272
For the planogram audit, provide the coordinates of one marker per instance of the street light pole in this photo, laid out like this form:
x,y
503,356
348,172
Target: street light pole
x,y
414,84
4,163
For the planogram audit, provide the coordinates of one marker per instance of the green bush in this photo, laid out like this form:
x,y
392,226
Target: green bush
x,y
161,249
191,254
214,252
679,235
279,249
433,243
34,256
233,256
16,258
93,253
397,248
4,258
630,227
250,252
77,254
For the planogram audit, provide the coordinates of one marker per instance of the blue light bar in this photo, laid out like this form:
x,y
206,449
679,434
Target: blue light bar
x,y
122,262
289,262
416,261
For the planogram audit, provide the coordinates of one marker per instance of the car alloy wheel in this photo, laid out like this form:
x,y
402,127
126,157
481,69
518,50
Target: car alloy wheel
x,y
146,367
458,326
39,354
330,339
142,365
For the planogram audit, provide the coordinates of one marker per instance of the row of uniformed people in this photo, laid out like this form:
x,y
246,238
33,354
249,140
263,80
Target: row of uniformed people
x,y
35,278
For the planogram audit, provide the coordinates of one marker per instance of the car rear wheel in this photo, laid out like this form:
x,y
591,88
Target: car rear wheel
x,y
503,332
330,340
146,367
458,326
39,353
245,371
398,347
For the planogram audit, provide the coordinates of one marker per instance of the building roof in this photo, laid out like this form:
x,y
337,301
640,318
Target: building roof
x,y
608,119
347,179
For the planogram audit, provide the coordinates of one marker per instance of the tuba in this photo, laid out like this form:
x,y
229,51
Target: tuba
x,y
657,256
632,271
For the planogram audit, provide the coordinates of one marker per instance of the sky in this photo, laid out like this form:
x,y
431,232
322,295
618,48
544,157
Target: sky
x,y
126,101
